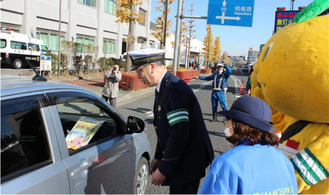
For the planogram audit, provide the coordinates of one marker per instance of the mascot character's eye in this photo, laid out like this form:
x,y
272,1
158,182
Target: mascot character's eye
x,y
267,50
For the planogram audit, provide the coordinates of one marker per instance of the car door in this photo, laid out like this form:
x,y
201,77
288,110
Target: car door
x,y
99,158
30,157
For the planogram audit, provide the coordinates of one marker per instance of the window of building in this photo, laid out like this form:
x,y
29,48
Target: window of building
x,y
142,13
91,3
152,44
143,42
50,39
86,44
24,143
108,46
110,6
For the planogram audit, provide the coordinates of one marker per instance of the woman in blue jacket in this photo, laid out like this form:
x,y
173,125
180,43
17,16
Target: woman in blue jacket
x,y
253,165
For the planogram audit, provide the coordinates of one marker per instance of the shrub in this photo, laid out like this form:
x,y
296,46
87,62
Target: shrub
x,y
130,82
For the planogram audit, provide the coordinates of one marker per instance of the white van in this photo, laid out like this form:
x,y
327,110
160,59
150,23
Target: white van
x,y
16,48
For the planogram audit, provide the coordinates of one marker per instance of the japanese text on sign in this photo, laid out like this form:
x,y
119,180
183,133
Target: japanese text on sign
x,y
283,18
243,9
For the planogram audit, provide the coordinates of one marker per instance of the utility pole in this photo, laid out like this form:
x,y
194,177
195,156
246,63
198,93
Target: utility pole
x,y
59,38
179,18
190,36
181,30
292,4
178,24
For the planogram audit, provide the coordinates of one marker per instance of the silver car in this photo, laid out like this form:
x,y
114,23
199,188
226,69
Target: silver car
x,y
63,139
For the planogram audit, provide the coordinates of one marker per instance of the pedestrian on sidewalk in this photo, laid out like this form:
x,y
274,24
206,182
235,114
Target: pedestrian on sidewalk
x,y
184,149
111,87
253,165
220,83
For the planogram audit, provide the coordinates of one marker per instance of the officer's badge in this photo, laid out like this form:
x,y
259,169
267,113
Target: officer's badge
x,y
159,108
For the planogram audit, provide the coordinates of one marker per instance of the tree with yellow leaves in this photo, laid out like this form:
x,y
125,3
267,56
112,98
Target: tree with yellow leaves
x,y
163,27
226,59
217,50
208,46
127,12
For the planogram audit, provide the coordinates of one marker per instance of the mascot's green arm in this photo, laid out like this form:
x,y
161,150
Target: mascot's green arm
x,y
312,10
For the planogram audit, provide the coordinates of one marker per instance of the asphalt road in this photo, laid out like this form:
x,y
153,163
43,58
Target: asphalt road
x,y
143,109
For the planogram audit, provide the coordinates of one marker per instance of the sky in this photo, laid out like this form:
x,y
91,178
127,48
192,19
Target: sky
x,y
235,40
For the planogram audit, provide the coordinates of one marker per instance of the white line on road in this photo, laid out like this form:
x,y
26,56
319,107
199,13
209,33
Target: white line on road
x,y
202,86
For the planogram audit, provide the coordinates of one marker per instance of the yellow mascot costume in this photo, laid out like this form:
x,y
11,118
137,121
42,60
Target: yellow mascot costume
x,y
292,76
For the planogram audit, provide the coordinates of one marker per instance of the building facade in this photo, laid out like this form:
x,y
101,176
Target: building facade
x,y
252,56
91,23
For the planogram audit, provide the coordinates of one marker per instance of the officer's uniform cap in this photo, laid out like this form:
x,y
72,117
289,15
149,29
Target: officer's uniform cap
x,y
145,56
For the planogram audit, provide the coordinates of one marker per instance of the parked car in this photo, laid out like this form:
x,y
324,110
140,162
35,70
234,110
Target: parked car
x,y
62,139
16,48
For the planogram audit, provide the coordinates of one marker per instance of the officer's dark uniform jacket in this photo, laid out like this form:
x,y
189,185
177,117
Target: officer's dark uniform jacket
x,y
183,146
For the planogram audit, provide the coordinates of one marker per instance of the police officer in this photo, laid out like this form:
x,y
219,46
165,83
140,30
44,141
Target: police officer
x,y
183,148
220,81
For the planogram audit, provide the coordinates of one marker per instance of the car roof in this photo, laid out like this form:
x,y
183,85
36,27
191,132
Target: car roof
x,y
11,85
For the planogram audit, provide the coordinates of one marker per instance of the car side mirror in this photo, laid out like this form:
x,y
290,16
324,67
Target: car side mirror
x,y
135,125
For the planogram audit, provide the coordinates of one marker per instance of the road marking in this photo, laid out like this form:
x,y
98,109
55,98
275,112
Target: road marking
x,y
237,83
203,85
149,114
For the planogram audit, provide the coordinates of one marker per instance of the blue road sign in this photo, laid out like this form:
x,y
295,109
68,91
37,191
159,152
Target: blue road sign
x,y
230,12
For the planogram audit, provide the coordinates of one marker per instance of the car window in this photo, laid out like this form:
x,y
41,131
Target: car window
x,y
18,45
3,43
33,47
84,119
24,144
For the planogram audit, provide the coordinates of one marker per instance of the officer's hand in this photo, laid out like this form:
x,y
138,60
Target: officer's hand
x,y
158,178
154,165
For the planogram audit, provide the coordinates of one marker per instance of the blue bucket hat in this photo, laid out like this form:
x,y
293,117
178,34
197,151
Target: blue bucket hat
x,y
251,111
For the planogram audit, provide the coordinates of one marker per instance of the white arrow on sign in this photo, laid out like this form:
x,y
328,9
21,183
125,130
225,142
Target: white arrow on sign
x,y
223,17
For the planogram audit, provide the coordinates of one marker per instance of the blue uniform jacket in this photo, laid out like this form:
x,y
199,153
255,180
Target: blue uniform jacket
x,y
246,169
220,80
183,146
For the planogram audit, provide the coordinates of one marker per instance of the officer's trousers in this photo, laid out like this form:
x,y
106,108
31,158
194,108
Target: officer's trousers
x,y
218,96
